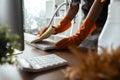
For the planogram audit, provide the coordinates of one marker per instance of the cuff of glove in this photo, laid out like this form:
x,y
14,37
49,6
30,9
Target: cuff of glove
x,y
64,24
87,27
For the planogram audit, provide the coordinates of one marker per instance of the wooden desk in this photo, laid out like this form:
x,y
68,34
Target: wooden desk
x,y
54,74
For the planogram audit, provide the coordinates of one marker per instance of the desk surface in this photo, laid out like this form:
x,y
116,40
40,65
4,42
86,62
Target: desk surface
x,y
54,74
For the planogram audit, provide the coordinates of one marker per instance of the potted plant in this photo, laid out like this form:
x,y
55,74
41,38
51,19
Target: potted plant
x,y
8,60
94,66
7,45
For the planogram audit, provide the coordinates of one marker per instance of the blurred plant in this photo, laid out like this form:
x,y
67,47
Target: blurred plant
x,y
7,45
94,66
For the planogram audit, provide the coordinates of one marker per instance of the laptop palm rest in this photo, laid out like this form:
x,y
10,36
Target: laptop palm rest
x,y
46,44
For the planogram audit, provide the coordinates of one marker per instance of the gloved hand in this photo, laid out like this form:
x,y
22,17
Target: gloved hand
x,y
64,24
48,31
42,31
45,35
86,28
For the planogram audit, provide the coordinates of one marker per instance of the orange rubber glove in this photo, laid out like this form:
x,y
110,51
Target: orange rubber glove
x,y
86,28
64,24
42,31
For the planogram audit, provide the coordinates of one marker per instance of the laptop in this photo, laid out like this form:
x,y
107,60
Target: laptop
x,y
45,45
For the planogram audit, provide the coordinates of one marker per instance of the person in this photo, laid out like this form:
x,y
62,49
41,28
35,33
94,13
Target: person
x,y
95,15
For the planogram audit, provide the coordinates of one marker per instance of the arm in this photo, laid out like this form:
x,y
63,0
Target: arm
x,y
65,23
85,29
72,11
95,10
89,24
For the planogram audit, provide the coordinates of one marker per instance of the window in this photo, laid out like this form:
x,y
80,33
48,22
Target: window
x,y
34,15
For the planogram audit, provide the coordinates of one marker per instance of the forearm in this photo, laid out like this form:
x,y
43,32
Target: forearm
x,y
85,29
89,25
65,23
72,11
95,10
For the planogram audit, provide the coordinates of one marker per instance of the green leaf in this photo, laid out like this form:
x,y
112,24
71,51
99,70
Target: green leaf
x,y
7,44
